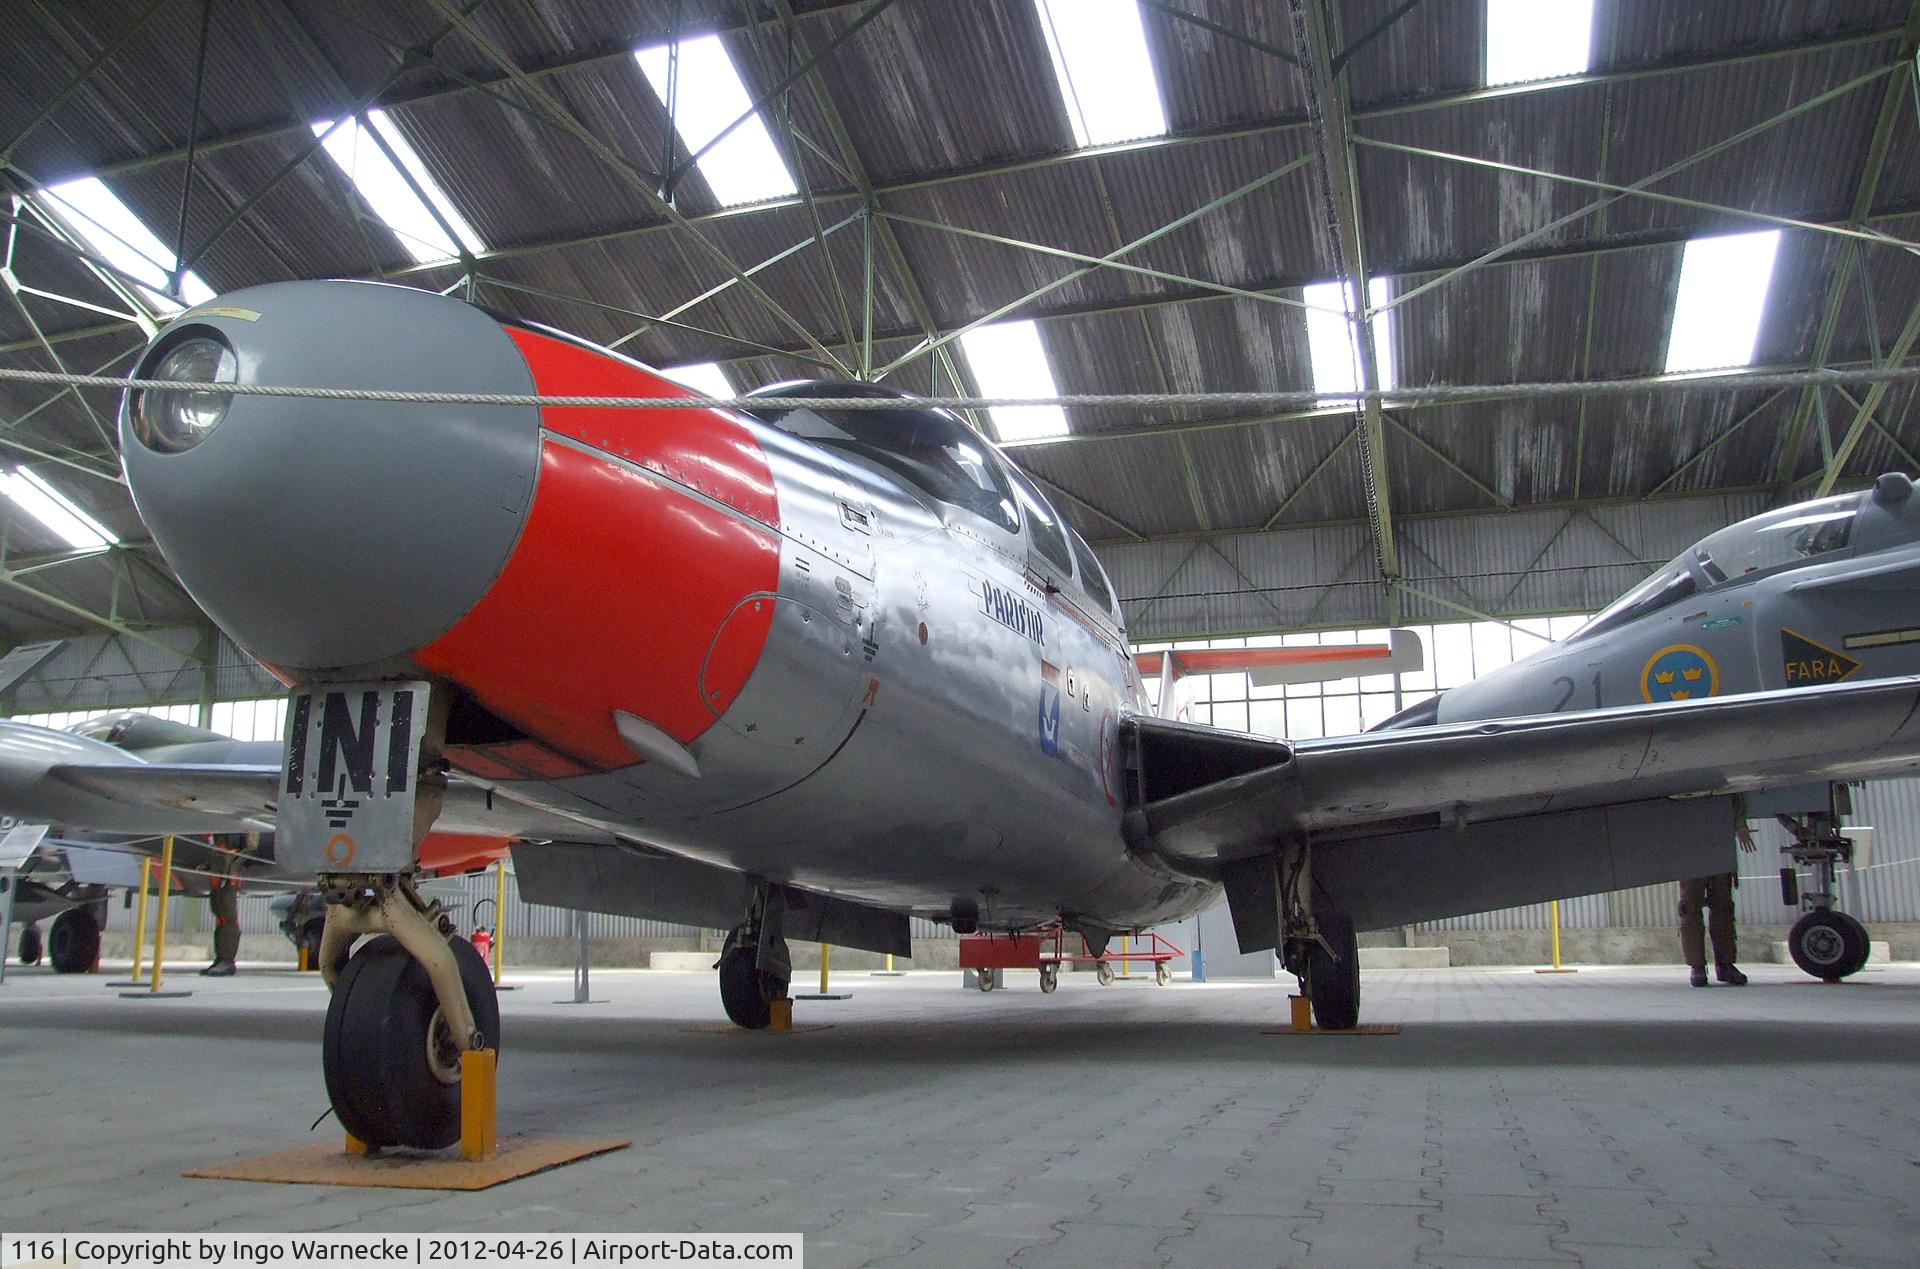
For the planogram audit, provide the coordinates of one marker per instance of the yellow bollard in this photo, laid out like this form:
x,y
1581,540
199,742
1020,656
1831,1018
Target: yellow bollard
x,y
823,969
477,1068
889,962
1126,966
160,920
499,918
140,920
1553,924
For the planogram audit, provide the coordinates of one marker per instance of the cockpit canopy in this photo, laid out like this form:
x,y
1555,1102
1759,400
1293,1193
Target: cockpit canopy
x,y
1766,543
935,452
931,449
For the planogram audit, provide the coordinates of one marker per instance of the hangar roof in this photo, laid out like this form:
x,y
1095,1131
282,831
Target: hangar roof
x,y
1541,226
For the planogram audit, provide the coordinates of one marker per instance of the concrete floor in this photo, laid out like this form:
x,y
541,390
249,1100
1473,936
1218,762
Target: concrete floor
x,y
1614,1116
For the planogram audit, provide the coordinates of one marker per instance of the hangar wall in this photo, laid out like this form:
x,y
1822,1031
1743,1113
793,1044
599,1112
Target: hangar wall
x,y
1556,560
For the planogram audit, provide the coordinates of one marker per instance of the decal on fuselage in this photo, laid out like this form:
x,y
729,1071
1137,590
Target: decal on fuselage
x,y
1011,611
1679,672
1806,662
1049,709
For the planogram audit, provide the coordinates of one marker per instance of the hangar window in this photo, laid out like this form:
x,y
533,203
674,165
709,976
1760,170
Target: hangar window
x,y
1529,39
398,187
1008,360
1721,298
1333,339
87,210
1105,73
932,450
714,117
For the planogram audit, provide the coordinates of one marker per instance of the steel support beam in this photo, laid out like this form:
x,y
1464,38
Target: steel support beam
x,y
1873,164
1340,197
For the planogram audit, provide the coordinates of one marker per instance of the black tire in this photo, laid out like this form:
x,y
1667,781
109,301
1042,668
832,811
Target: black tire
x,y
1865,943
374,1052
74,944
745,992
1828,945
30,945
1333,981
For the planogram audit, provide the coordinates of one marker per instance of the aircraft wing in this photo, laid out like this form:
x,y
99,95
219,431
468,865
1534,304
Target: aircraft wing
x,y
237,799
57,777
1443,820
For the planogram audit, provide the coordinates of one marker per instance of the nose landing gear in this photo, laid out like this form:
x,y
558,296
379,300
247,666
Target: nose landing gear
x,y
405,1007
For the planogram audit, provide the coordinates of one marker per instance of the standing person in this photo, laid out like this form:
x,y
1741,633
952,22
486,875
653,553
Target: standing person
x,y
1714,894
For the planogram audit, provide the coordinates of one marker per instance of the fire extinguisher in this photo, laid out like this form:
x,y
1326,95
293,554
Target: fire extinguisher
x,y
482,936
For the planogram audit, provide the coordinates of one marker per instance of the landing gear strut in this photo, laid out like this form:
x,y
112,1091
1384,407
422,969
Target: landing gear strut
x,y
1824,942
1318,945
405,1007
754,969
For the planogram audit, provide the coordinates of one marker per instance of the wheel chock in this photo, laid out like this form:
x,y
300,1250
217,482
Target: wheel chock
x,y
358,1148
303,966
782,1014
1302,1012
477,1140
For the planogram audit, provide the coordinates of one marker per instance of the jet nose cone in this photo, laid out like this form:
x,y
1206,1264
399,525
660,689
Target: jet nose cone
x,y
322,534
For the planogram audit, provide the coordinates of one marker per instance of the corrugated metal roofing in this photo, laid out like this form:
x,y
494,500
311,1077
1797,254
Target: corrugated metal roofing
x,y
951,113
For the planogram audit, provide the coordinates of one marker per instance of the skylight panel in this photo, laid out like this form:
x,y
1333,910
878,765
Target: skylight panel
x,y
704,377
389,195
109,229
53,509
1105,74
1722,296
1333,340
1008,361
1537,39
704,97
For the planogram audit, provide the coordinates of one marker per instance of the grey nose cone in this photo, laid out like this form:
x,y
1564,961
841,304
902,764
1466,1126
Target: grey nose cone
x,y
322,535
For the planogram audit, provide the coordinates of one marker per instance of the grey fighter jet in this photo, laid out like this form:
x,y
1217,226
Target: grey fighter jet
x,y
1803,597
802,670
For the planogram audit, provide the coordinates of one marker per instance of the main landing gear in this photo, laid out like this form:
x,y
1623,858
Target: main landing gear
x,y
74,946
1825,942
1318,945
754,968
405,1007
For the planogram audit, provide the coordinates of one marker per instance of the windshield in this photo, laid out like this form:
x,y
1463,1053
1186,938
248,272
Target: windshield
x,y
1790,535
1668,586
930,449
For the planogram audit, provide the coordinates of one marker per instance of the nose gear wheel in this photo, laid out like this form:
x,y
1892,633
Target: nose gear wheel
x,y
391,1063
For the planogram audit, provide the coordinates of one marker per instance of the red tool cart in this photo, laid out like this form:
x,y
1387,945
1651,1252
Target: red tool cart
x,y
1046,951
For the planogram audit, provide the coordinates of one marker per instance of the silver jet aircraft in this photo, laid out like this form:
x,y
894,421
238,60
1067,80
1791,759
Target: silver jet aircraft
x,y
799,671
1803,597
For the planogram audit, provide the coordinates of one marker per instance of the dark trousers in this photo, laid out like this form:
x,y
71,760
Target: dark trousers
x,y
224,900
1715,895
